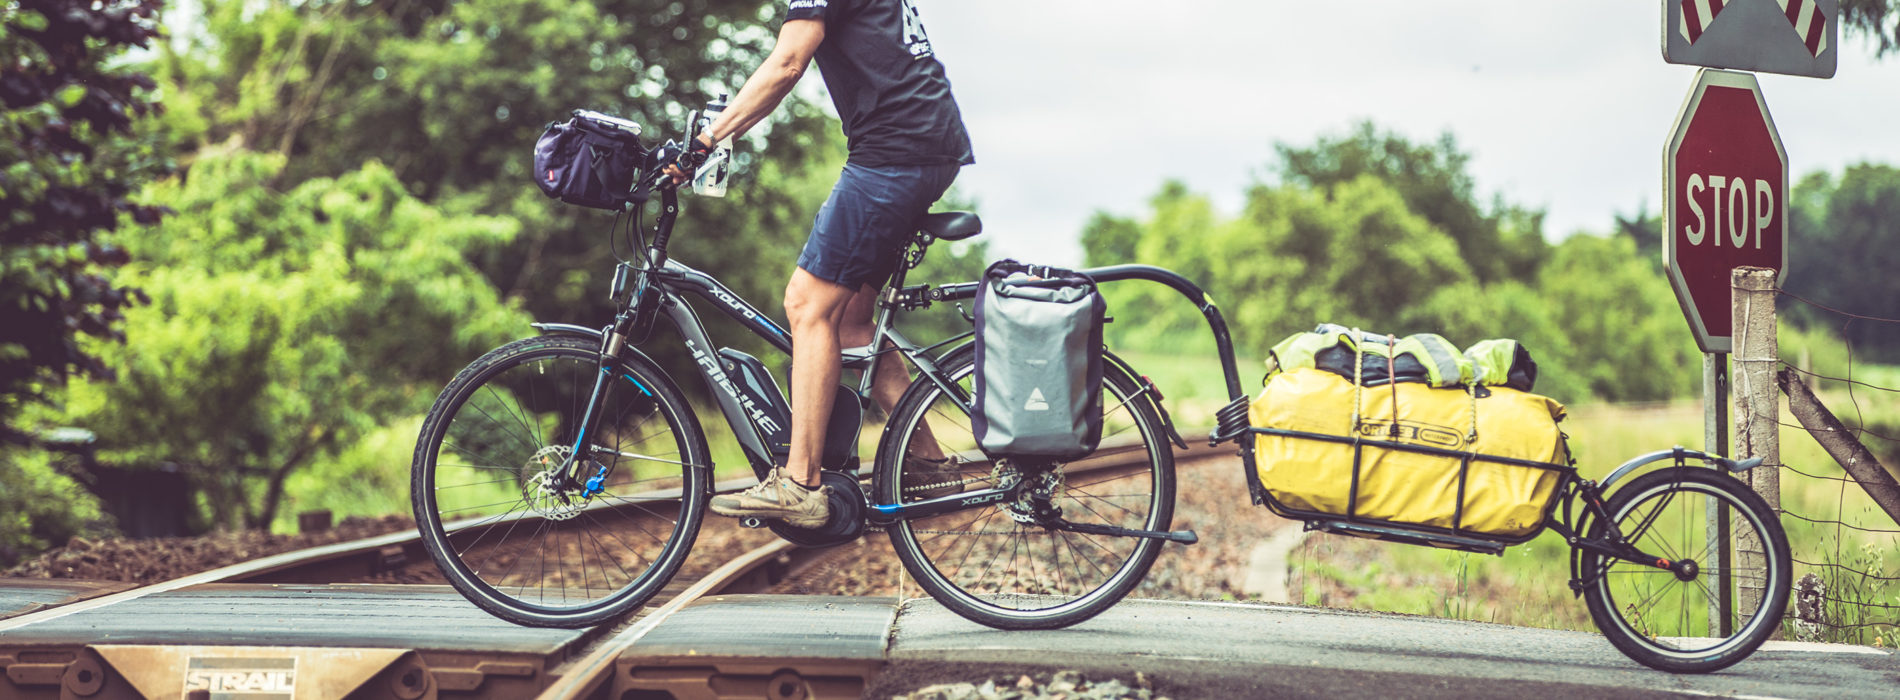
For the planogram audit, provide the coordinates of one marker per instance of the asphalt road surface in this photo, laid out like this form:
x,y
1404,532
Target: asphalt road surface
x,y
1221,650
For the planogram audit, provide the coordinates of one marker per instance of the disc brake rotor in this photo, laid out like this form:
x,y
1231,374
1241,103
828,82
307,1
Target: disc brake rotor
x,y
544,492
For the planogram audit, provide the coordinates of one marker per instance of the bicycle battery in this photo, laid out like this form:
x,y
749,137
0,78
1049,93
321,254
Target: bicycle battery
x,y
760,395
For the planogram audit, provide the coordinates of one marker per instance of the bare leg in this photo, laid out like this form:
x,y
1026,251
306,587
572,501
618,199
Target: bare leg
x,y
815,309
892,377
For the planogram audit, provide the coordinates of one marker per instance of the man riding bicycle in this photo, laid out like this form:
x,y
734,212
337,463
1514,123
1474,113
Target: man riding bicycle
x,y
907,142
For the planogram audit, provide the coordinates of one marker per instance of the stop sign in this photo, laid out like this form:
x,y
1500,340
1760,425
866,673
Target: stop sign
x,y
1727,198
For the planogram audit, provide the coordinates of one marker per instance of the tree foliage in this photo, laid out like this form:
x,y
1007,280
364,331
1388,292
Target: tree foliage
x,y
451,95
68,161
1499,241
1376,232
1879,19
1844,225
355,220
286,323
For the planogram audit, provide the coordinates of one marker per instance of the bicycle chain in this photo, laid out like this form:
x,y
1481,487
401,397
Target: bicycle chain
x,y
983,479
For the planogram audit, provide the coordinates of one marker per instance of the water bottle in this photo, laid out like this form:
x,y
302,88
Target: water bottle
x,y
710,180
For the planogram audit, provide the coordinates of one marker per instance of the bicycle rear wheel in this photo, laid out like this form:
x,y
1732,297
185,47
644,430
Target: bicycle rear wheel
x,y
500,483
1660,617
988,563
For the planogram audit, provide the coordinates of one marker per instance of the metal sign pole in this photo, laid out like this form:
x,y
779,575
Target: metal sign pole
x,y
1715,441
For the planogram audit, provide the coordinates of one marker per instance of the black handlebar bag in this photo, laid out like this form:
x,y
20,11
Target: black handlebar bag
x,y
588,161
1038,362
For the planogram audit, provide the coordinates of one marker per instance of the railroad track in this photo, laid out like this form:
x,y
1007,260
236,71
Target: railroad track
x,y
304,624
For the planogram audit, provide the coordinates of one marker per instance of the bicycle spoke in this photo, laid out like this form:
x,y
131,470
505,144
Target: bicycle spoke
x,y
552,551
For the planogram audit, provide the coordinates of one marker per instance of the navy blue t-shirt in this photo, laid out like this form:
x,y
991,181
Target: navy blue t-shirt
x,y
886,82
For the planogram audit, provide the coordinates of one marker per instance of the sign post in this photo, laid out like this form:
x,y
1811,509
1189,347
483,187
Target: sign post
x,y
1726,202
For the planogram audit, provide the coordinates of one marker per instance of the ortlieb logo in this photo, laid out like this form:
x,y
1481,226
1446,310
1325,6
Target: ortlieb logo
x,y
228,678
1411,431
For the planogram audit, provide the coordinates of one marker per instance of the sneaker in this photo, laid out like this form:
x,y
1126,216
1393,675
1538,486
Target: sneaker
x,y
779,498
926,478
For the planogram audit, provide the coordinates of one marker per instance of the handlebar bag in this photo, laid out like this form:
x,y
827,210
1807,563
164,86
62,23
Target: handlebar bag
x,y
1038,362
587,161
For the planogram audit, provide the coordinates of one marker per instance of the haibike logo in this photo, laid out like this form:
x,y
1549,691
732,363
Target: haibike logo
x,y
264,679
725,382
734,303
980,500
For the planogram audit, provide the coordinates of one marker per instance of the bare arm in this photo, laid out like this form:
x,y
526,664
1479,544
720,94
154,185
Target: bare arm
x,y
798,41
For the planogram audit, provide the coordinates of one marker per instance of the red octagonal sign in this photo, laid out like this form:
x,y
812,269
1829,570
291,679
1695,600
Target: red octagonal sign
x,y
1727,183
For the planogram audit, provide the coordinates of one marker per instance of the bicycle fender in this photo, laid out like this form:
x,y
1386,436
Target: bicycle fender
x,y
566,329
1154,395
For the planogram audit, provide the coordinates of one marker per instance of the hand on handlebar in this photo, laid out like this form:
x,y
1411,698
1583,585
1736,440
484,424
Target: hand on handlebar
x,y
683,167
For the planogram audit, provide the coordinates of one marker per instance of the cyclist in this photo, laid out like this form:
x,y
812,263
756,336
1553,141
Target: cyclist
x,y
907,142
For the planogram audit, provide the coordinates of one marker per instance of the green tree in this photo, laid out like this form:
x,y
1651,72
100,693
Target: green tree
x,y
451,96
1879,19
284,324
1356,254
1844,226
70,160
1499,241
69,157
1375,232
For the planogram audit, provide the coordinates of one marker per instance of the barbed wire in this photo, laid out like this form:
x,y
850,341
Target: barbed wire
x,y
1824,307
1847,574
1844,567
1843,380
1797,470
1798,516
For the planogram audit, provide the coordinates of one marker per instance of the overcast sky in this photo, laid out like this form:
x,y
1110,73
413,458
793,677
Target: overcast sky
x,y
1075,106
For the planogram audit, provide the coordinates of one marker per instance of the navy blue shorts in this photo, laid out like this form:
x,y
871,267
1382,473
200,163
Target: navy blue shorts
x,y
859,233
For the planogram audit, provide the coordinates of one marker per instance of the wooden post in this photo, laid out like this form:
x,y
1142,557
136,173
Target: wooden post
x,y
1879,480
1757,414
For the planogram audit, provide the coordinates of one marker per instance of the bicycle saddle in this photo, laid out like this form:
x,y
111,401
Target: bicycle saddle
x,y
951,225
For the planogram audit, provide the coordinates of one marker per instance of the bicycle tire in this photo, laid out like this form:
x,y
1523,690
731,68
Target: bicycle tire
x,y
1030,590
505,424
1632,603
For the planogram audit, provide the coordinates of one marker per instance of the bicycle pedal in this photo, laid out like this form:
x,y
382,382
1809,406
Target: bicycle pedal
x,y
752,523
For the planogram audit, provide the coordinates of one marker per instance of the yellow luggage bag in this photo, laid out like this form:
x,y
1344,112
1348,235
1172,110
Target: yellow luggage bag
x,y
1332,448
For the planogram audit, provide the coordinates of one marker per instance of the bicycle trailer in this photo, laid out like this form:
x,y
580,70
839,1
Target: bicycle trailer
x,y
1401,439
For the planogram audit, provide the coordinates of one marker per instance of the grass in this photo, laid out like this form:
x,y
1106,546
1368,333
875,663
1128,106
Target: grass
x,y
1194,386
1528,584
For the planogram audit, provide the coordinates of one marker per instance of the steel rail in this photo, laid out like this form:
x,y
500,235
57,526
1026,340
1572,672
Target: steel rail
x,y
591,671
587,676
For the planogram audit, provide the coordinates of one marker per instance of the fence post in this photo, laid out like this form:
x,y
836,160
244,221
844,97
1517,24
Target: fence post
x,y
1757,412
1879,480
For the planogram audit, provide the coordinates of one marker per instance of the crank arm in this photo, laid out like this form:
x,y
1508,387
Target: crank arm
x,y
1181,536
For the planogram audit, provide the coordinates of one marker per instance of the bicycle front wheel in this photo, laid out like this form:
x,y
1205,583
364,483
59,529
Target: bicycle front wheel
x,y
989,563
541,518
1661,617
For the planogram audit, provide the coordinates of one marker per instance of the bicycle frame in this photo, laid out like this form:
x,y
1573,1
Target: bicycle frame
x,y
661,290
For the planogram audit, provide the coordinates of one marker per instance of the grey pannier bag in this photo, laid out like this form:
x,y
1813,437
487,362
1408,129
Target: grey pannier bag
x,y
1038,362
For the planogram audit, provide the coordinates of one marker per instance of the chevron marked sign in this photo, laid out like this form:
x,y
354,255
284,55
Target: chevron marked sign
x,y
1791,37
